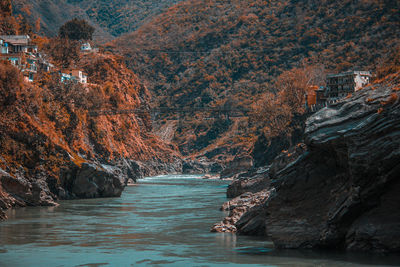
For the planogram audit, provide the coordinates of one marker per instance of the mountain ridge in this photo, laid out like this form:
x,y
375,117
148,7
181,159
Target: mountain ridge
x,y
110,19
216,53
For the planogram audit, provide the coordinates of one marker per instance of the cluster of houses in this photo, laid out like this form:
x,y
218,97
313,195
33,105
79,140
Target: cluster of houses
x,y
20,51
23,53
338,86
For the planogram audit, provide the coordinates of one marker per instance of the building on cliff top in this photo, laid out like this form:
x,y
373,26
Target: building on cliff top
x,y
342,84
338,86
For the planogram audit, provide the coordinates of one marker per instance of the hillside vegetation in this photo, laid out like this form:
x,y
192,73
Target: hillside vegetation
x,y
216,53
110,18
54,142
58,114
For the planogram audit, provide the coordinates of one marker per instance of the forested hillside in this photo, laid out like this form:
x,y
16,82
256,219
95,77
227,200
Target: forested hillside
x,y
231,53
111,18
121,16
53,144
243,55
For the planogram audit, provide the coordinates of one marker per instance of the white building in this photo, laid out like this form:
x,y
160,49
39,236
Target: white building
x,y
75,74
65,77
86,47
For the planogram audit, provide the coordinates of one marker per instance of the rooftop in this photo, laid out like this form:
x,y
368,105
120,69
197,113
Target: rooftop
x,y
358,72
16,39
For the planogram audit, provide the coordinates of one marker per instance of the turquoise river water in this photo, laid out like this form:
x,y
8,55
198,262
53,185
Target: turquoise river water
x,y
162,221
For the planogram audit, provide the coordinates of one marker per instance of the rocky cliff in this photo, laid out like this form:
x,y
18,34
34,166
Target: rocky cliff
x,y
342,190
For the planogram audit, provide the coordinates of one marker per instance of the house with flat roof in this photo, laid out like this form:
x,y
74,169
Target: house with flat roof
x,y
66,77
86,47
74,75
338,86
342,84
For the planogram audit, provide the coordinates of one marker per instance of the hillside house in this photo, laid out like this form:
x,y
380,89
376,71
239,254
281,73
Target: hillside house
x,y
342,84
86,47
80,75
19,43
74,75
21,52
30,68
338,86
65,77
45,66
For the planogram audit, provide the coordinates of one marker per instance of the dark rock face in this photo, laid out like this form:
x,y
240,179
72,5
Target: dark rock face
x,y
93,181
253,185
139,169
342,191
19,191
247,203
201,166
90,180
237,166
266,149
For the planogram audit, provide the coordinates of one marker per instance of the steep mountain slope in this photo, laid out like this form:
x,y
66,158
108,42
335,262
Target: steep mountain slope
x,y
122,16
205,53
52,145
111,18
53,14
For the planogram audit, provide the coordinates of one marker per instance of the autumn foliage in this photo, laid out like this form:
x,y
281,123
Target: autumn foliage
x,y
200,53
47,124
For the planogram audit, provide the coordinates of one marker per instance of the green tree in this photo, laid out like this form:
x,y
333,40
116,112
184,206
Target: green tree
x,y
65,52
76,29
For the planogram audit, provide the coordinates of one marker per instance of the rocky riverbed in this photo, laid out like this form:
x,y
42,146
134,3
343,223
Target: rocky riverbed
x,y
339,189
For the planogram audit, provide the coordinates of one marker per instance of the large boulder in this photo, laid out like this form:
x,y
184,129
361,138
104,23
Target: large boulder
x,y
91,180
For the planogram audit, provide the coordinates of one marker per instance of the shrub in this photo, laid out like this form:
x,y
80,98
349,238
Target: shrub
x,y
11,81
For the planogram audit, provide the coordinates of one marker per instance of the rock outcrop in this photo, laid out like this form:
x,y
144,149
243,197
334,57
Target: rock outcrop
x,y
94,181
247,203
19,191
340,192
244,185
201,165
237,166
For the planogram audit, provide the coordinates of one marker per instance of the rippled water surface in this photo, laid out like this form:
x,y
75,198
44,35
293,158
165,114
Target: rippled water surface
x,y
162,221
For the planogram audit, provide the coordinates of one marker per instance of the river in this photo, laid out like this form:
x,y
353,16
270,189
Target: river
x,y
161,221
